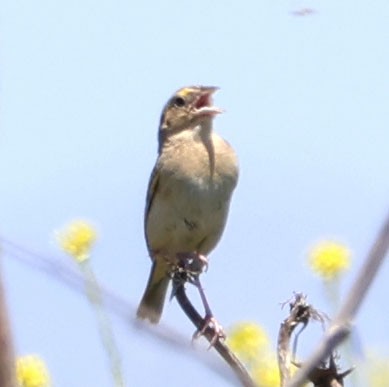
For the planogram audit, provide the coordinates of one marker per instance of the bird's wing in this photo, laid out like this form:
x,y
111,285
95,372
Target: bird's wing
x,y
151,191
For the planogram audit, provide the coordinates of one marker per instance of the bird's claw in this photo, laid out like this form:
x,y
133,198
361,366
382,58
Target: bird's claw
x,y
218,331
192,263
204,262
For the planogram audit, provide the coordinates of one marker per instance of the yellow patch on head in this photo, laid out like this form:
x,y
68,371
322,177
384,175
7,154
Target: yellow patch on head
x,y
185,92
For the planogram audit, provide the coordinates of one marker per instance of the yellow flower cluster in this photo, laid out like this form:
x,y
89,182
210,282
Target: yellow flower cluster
x,y
266,373
250,342
31,371
77,239
329,259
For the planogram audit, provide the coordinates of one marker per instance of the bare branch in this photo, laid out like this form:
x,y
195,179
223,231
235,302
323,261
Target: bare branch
x,y
341,326
300,313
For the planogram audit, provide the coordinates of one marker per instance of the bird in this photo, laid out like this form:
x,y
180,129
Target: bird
x,y
189,191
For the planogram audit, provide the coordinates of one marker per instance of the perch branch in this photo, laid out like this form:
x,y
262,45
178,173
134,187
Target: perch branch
x,y
209,334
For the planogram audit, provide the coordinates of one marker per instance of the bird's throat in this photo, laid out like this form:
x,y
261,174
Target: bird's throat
x,y
205,136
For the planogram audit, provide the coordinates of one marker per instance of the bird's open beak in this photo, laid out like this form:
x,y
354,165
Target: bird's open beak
x,y
203,105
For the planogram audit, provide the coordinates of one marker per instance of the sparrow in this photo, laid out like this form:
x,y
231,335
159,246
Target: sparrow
x,y
189,191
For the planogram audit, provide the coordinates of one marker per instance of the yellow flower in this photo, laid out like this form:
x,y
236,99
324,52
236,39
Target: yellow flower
x,y
31,371
248,340
77,239
329,259
266,373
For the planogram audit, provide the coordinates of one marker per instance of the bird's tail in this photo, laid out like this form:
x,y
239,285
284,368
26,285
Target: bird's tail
x,y
151,305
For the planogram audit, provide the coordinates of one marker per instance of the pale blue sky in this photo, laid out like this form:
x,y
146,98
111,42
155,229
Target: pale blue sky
x,y
82,88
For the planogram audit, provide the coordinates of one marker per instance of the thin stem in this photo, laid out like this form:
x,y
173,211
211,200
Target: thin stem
x,y
7,357
94,295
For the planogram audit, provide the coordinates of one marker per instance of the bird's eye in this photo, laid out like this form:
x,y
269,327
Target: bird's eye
x,y
179,101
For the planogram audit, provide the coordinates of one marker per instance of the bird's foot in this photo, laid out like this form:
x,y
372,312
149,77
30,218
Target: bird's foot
x,y
212,323
192,263
203,260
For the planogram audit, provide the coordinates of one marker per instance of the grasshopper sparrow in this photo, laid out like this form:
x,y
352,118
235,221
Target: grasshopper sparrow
x,y
189,191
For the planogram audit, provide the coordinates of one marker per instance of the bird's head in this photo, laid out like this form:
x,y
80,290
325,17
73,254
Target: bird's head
x,y
187,108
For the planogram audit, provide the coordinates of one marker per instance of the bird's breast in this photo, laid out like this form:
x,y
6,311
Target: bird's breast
x,y
190,206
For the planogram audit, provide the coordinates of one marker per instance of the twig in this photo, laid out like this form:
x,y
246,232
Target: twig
x,y
300,313
327,376
341,326
209,334
7,358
